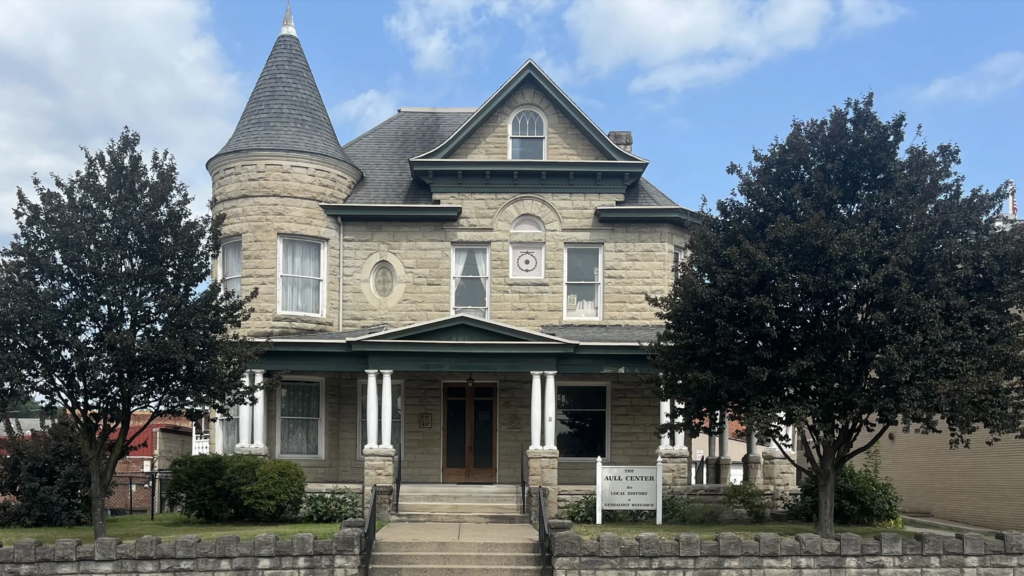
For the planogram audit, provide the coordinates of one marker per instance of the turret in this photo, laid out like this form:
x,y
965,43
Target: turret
x,y
282,161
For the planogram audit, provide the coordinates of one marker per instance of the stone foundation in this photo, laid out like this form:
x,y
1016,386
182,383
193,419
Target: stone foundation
x,y
772,555
227,555
723,475
779,476
543,470
752,464
675,469
378,469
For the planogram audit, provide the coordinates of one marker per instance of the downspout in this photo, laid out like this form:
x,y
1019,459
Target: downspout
x,y
341,270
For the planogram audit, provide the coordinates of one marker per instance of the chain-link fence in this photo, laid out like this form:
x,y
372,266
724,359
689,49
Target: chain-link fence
x,y
138,493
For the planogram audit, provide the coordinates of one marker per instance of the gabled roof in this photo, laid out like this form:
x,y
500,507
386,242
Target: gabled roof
x,y
285,112
461,328
531,73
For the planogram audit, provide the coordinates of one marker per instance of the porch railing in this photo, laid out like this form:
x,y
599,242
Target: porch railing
x,y
522,478
200,446
542,529
398,475
370,530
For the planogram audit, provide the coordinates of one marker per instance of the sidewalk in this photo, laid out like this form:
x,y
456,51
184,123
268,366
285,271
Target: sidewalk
x,y
943,527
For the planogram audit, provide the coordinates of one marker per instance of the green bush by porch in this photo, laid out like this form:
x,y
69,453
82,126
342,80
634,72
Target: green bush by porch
x,y
236,488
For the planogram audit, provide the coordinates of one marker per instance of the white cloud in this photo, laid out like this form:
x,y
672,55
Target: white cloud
x,y
988,80
365,110
439,32
869,13
75,73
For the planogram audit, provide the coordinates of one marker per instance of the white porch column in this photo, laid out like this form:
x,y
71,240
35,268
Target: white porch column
x,y
663,409
536,406
751,441
680,440
385,409
259,413
371,410
549,412
244,421
218,443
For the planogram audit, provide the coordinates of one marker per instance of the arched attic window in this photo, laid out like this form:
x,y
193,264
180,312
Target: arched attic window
x,y
527,135
527,223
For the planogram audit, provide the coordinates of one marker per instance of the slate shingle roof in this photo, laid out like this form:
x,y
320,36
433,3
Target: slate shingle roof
x,y
285,111
607,333
383,153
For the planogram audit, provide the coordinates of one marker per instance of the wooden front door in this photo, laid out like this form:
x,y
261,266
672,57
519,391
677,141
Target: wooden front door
x,y
470,447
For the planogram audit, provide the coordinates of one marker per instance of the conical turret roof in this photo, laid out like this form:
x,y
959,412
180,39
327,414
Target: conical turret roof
x,y
285,112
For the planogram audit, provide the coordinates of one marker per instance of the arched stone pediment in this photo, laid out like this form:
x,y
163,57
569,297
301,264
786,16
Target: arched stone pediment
x,y
533,205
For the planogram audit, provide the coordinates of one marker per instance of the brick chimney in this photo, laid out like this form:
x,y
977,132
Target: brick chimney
x,y
622,139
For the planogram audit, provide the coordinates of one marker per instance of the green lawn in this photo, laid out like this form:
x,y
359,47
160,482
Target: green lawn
x,y
707,532
168,527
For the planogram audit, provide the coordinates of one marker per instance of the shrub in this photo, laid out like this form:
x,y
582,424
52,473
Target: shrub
x,y
862,497
751,498
582,511
278,491
334,506
47,475
676,509
222,488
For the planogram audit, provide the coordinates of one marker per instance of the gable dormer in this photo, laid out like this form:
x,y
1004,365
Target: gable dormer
x,y
528,136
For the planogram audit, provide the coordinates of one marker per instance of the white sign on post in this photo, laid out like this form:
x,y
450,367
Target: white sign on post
x,y
628,488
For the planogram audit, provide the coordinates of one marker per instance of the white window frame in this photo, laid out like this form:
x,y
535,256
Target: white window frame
x,y
220,261
678,256
322,432
600,282
513,246
323,273
523,217
607,421
487,285
543,117
361,413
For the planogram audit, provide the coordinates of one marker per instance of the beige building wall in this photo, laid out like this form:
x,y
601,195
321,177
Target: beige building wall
x,y
982,486
490,141
169,444
637,261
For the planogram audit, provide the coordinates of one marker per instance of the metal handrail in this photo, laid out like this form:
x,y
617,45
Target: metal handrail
x,y
370,530
398,475
522,478
542,529
698,476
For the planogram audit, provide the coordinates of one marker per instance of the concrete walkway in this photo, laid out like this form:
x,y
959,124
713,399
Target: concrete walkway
x,y
437,532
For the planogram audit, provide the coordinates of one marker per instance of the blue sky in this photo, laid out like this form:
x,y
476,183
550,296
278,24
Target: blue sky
x,y
698,83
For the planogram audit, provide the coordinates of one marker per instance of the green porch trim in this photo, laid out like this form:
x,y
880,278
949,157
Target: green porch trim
x,y
674,215
394,212
530,72
461,328
527,176
514,348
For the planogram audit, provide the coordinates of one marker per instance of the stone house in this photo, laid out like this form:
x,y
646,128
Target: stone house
x,y
471,282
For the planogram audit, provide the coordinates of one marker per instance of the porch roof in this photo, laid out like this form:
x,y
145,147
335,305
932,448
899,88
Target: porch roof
x,y
465,343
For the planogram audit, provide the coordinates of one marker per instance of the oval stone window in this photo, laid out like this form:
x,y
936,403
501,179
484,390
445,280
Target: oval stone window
x,y
382,279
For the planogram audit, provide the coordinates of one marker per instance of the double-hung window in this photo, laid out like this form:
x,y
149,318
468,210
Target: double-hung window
x,y
471,280
301,276
300,423
527,135
582,427
396,415
678,255
231,266
583,282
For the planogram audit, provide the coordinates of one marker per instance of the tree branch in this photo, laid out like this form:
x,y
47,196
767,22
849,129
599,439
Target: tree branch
x,y
857,452
788,457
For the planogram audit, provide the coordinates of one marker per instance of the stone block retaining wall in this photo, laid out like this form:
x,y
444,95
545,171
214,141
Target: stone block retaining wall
x,y
772,555
267,555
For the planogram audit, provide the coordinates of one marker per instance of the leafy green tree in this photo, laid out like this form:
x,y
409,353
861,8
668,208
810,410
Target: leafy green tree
x,y
848,285
105,310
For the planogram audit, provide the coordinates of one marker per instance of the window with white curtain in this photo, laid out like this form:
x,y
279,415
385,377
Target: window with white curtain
x,y
231,266
526,134
583,282
300,421
301,285
396,415
471,281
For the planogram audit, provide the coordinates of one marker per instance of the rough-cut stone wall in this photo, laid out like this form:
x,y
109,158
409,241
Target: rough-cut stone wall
x,y
805,555
565,141
637,261
265,195
267,555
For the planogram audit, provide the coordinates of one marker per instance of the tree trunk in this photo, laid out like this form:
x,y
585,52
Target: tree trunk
x,y
826,501
98,496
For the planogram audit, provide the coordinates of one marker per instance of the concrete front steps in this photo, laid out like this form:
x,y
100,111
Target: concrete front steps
x,y
456,550
460,503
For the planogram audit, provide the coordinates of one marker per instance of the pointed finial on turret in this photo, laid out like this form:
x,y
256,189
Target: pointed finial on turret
x,y
288,26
